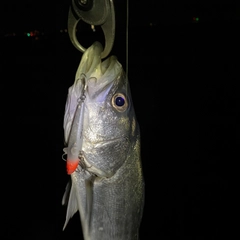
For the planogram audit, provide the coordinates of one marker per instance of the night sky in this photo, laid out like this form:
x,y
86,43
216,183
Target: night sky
x,y
39,14
183,75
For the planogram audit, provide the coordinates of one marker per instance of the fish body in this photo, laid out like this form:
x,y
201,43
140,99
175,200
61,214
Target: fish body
x,y
102,134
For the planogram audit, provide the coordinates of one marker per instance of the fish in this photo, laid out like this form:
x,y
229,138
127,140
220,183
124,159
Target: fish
x,y
103,148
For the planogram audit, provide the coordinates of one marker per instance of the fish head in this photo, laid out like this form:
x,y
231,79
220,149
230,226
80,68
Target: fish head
x,y
109,125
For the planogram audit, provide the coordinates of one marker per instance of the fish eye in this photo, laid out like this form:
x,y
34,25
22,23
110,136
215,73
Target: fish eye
x,y
119,102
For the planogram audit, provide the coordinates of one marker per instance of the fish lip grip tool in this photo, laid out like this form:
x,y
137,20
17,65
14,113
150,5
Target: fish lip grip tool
x,y
94,12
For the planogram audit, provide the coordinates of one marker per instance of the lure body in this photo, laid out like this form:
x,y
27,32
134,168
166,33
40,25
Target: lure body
x,y
107,186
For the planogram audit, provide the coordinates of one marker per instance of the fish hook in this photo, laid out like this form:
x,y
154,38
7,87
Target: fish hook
x,y
93,12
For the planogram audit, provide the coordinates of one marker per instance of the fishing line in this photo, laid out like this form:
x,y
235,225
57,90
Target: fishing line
x,y
127,23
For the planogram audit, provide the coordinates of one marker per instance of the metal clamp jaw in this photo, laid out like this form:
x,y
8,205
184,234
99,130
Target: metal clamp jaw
x,y
93,12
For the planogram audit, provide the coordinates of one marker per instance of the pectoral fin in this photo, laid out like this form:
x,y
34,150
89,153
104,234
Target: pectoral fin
x,y
70,199
78,196
89,199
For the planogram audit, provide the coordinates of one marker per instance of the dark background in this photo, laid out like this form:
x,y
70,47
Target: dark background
x,y
183,77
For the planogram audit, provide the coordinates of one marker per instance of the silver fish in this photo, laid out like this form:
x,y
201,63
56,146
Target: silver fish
x,y
103,151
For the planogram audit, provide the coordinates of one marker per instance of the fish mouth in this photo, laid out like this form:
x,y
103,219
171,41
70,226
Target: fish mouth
x,y
100,76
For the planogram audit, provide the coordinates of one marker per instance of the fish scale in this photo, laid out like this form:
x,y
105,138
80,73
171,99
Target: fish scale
x,y
107,187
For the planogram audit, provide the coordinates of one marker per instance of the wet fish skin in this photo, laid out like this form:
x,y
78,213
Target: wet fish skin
x,y
108,186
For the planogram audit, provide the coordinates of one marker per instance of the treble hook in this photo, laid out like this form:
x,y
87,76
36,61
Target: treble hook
x,y
93,12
